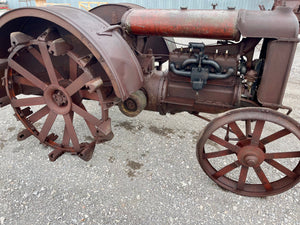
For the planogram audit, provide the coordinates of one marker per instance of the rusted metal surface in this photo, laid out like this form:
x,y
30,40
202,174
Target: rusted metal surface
x,y
280,53
248,150
91,31
293,4
214,24
60,96
53,62
113,13
283,22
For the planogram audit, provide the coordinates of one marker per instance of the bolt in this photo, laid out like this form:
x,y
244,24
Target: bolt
x,y
251,160
59,98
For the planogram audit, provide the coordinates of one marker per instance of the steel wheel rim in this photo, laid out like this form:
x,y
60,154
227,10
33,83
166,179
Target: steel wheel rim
x,y
239,185
60,96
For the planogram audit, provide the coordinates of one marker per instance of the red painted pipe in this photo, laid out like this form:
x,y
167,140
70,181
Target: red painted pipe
x,y
215,24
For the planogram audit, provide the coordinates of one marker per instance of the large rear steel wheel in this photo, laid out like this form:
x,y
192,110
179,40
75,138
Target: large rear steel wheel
x,y
251,151
46,83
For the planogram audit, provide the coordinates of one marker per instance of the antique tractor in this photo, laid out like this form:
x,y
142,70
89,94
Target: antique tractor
x,y
55,59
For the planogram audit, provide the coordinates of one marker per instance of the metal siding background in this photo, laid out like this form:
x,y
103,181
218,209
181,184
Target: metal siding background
x,y
168,4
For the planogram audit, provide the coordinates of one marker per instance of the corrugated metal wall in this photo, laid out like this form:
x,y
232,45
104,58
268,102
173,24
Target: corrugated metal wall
x,y
166,4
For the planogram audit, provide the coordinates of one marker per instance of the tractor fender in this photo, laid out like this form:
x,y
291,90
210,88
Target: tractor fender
x,y
105,43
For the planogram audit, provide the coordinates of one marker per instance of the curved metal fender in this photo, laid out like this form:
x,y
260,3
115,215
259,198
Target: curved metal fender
x,y
107,45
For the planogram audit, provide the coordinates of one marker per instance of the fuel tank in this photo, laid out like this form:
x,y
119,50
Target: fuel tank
x,y
216,24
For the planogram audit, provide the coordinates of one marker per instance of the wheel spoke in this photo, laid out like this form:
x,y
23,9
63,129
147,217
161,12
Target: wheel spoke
x,y
90,125
257,132
264,180
71,132
281,155
242,178
39,114
217,154
230,163
25,73
224,143
48,62
73,69
37,55
87,116
22,81
78,83
66,137
248,128
282,168
237,131
28,101
275,136
226,169
47,126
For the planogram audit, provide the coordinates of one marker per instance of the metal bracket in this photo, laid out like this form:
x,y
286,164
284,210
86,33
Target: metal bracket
x,y
198,78
108,30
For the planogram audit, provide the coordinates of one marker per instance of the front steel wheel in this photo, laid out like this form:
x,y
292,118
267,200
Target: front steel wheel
x,y
251,151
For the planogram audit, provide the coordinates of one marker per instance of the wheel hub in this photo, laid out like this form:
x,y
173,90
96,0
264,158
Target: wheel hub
x,y
251,156
130,105
57,99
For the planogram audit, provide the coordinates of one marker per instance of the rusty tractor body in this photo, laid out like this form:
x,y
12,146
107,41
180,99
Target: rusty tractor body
x,y
293,4
54,59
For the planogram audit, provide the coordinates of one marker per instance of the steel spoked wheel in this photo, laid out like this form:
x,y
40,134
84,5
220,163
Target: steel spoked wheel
x,y
251,151
46,83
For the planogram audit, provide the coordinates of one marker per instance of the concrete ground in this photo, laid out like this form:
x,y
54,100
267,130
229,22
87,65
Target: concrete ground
x,y
148,174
